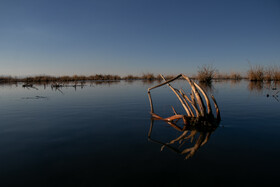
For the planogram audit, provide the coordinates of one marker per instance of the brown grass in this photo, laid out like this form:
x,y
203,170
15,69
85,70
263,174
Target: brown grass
x,y
260,73
206,73
231,76
131,77
272,73
7,79
148,76
235,76
256,73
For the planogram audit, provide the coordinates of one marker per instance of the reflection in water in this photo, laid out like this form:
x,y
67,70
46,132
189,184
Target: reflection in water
x,y
257,86
274,95
55,85
150,82
86,137
58,89
29,86
92,83
192,136
36,97
207,86
235,81
269,88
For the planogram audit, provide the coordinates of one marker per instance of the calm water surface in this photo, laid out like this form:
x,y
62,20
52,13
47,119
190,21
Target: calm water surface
x,y
98,136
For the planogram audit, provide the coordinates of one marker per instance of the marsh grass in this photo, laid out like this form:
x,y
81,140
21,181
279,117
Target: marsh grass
x,y
206,73
256,73
228,76
148,76
260,73
48,79
131,77
272,73
235,76
7,79
76,78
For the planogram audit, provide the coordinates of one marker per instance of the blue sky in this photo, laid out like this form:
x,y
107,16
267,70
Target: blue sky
x,y
59,37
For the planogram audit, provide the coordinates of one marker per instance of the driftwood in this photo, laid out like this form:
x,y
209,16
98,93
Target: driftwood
x,y
198,121
193,105
56,85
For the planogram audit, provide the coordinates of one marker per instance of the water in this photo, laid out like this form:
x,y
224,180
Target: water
x,y
98,136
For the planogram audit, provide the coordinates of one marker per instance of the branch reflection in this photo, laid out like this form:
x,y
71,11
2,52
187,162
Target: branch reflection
x,y
191,138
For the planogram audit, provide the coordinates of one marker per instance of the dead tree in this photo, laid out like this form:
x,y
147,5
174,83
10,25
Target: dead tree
x,y
198,121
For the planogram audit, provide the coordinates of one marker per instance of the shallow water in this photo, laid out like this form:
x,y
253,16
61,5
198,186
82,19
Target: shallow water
x,y
97,135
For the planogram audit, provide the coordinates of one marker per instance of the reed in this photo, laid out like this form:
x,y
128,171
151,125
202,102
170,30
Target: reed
x,y
268,74
206,73
221,76
256,73
131,77
103,77
260,73
272,73
7,79
168,77
235,76
276,75
148,76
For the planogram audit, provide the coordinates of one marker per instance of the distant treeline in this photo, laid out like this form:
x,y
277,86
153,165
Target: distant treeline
x,y
205,73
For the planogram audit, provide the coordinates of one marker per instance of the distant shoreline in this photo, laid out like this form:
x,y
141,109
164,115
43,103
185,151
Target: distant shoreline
x,y
204,74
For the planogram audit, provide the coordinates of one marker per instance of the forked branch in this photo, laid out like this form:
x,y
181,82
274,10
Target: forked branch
x,y
193,106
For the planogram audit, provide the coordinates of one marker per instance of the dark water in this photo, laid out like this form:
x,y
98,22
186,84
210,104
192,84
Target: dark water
x,y
98,136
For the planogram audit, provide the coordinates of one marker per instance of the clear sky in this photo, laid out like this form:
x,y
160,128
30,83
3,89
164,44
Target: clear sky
x,y
59,37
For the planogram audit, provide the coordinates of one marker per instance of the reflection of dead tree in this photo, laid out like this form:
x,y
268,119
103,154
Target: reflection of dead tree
x,y
57,87
27,85
198,120
197,135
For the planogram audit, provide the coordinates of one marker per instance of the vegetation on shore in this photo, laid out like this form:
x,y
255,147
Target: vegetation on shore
x,y
205,74
230,76
97,77
260,73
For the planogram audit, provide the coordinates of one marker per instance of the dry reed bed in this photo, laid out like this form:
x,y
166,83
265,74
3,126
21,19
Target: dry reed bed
x,y
231,76
260,73
99,77
205,74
